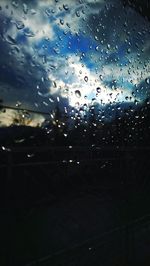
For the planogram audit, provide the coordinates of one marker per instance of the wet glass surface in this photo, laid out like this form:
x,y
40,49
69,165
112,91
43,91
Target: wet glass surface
x,y
76,68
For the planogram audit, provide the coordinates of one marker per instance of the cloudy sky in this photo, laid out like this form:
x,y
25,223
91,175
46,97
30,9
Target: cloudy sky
x,y
75,53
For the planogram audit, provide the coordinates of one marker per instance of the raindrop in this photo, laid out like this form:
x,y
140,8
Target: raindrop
x,y
101,77
78,93
48,12
77,13
51,100
61,21
147,80
5,149
10,40
29,33
19,25
33,11
56,50
96,38
14,3
25,8
103,166
125,24
136,102
128,50
64,161
133,94
18,104
26,115
45,103
54,84
19,140
65,6
108,46
86,78
30,155
98,89
68,25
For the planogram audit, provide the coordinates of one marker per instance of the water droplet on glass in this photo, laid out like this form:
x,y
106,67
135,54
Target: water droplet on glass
x,y
54,84
129,50
19,140
5,149
56,50
45,103
77,13
10,40
61,21
33,11
96,38
78,93
51,100
147,80
30,155
18,104
14,3
19,25
48,12
65,6
101,77
25,8
98,89
29,33
86,79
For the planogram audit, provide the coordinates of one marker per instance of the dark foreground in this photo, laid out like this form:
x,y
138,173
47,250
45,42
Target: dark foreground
x,y
75,206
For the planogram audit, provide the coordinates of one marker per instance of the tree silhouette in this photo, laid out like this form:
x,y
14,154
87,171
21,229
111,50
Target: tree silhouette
x,y
1,106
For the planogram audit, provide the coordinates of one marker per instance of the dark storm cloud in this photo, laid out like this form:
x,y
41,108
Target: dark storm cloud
x,y
19,71
118,25
23,71
24,66
18,68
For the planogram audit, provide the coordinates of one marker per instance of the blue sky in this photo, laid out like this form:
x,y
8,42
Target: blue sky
x,y
53,49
